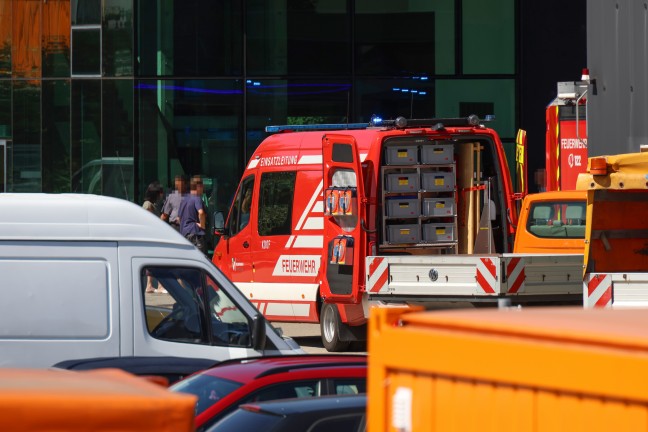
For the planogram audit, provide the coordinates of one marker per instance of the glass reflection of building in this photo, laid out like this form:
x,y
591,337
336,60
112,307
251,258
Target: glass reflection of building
x,y
104,96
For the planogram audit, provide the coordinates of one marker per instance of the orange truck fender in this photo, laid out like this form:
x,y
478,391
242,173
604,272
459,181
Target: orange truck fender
x,y
96,400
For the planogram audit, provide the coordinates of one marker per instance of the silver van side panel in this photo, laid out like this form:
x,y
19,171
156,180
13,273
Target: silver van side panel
x,y
58,300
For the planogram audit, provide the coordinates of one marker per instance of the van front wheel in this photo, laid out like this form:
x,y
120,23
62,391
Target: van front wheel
x,y
330,324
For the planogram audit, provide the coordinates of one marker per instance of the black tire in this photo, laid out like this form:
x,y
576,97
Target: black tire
x,y
330,324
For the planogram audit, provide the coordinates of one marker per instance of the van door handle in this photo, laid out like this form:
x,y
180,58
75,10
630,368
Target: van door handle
x,y
246,244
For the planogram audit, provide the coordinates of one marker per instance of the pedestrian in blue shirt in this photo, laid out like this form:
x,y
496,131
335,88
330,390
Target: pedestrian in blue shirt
x,y
193,216
172,203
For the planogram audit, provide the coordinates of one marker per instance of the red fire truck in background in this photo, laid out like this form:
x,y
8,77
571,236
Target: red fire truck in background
x,y
566,136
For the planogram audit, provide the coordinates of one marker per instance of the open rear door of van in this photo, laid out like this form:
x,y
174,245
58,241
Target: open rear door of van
x,y
343,216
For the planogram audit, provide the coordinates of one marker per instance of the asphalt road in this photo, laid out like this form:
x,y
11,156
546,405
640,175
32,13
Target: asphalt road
x,y
308,337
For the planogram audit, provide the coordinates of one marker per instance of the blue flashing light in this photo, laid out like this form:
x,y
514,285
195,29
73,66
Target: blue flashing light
x,y
256,83
248,81
422,93
396,89
414,91
405,90
424,78
489,117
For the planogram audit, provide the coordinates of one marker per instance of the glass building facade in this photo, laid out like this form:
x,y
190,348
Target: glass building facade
x,y
105,96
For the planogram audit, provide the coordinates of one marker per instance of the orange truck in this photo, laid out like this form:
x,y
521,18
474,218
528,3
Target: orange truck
x,y
552,223
535,369
97,400
616,238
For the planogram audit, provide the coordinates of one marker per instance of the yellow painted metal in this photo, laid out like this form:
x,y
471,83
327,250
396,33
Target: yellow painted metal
x,y
542,369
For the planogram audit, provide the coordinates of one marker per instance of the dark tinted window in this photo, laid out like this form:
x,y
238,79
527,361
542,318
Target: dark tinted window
x,y
344,423
296,389
298,37
86,162
342,153
5,109
244,420
294,101
276,202
86,12
56,133
390,98
350,386
397,40
117,38
287,390
26,144
117,138
190,38
86,46
197,130
242,207
209,389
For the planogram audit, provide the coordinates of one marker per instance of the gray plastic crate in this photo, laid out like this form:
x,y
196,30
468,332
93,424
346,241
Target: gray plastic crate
x,y
438,181
402,155
437,154
408,233
406,207
438,233
438,206
402,182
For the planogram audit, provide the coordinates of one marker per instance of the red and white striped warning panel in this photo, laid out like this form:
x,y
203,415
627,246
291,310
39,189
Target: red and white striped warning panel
x,y
515,275
377,274
597,290
487,274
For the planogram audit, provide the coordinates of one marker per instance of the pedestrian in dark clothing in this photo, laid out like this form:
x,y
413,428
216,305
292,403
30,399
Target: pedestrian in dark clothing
x,y
172,203
153,197
193,216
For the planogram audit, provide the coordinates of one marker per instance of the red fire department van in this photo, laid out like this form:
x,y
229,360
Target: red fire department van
x,y
315,201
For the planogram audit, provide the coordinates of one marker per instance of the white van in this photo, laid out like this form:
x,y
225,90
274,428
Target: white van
x,y
73,276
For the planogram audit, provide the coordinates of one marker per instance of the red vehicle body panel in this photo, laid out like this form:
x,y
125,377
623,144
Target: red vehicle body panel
x,y
258,373
566,150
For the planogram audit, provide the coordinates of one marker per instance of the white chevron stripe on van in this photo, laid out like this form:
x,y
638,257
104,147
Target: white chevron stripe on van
x,y
310,160
309,241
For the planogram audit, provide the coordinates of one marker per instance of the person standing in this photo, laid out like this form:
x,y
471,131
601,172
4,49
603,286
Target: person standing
x,y
193,216
153,197
172,203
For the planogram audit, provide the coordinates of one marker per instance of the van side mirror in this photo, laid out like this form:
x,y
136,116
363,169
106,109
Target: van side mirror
x,y
258,332
218,224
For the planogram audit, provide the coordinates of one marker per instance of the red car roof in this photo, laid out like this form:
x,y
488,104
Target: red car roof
x,y
245,370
